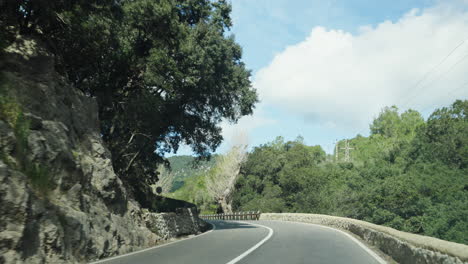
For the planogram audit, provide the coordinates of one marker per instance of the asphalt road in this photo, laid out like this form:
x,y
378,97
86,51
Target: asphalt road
x,y
258,242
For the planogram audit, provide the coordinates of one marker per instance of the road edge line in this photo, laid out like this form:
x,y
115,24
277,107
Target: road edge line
x,y
366,248
158,246
250,250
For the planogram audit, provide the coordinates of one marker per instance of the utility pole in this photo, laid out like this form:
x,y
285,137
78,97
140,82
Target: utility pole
x,y
336,150
347,149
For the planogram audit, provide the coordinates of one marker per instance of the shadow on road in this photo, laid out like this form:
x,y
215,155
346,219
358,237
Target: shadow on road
x,y
220,224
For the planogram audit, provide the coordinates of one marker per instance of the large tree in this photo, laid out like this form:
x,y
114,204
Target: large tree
x,y
164,72
221,179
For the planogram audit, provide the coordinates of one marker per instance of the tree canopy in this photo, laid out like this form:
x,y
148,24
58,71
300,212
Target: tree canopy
x,y
164,72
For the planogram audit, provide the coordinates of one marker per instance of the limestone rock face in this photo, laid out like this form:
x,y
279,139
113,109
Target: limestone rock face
x,y
66,205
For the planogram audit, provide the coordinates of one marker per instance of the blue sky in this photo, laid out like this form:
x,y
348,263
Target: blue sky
x,y
266,27
323,69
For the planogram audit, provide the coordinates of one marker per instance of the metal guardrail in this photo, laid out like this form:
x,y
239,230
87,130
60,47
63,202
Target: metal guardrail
x,y
233,216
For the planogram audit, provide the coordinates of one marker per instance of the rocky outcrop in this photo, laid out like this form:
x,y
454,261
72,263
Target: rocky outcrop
x,y
61,201
401,246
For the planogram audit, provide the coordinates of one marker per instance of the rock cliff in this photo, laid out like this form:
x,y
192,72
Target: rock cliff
x,y
61,201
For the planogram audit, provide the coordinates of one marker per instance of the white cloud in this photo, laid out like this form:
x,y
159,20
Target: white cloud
x,y
337,78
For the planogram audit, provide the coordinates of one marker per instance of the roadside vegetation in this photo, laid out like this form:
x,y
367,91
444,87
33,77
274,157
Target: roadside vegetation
x,y
410,174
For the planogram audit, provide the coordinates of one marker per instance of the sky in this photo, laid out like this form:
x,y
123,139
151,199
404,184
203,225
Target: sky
x,y
323,69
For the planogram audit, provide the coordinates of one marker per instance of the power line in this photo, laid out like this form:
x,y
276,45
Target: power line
x,y
431,70
450,93
418,83
446,72
449,70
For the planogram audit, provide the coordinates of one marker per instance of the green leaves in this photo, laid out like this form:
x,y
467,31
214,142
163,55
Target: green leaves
x,y
444,138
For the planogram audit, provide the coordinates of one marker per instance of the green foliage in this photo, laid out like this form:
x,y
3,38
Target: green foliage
x,y
21,129
444,138
39,176
9,108
163,72
185,167
408,174
276,176
12,114
194,191
391,124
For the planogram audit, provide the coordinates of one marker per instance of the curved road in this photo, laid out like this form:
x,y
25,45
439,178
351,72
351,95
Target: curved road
x,y
258,242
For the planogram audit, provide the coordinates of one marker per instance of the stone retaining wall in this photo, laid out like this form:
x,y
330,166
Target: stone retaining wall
x,y
401,246
184,221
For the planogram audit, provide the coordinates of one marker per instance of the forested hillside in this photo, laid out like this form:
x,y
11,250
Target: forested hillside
x,y
410,174
181,169
212,188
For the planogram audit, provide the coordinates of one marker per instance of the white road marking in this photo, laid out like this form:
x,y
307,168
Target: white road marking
x,y
250,250
368,250
146,249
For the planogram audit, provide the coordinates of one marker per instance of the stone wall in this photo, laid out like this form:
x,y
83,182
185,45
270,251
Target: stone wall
x,y
403,247
183,222
61,201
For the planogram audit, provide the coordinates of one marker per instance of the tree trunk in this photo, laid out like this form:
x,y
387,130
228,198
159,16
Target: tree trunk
x,y
225,205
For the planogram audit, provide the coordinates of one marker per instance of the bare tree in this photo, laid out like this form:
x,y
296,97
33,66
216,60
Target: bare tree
x,y
166,180
221,179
